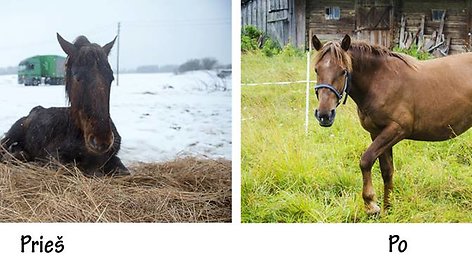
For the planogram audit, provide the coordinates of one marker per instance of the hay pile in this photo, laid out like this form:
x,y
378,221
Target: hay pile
x,y
183,190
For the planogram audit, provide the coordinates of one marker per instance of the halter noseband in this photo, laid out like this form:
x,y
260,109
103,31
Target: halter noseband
x,y
347,80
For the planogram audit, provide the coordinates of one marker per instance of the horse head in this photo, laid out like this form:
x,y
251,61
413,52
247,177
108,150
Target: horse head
x,y
333,68
88,82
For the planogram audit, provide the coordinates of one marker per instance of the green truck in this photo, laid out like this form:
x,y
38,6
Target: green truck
x,y
47,69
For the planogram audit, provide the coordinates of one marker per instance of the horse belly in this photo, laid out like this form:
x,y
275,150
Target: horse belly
x,y
440,132
440,117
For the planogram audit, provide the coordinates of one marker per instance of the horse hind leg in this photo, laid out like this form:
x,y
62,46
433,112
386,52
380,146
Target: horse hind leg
x,y
386,167
15,154
12,143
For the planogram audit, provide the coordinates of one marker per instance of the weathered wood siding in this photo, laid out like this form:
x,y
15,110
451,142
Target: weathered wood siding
x,y
282,20
296,21
330,29
255,13
277,20
457,21
375,21
300,23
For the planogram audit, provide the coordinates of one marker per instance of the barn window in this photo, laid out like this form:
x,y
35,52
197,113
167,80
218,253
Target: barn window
x,y
332,13
437,14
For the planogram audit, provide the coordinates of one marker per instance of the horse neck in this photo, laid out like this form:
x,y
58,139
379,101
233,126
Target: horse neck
x,y
364,68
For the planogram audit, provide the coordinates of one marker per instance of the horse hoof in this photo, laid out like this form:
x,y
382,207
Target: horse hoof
x,y
372,209
120,172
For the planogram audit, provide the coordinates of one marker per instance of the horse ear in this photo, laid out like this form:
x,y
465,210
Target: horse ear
x,y
109,46
346,43
316,43
68,47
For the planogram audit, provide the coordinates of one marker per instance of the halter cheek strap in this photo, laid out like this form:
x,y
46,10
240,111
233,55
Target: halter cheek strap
x,y
345,90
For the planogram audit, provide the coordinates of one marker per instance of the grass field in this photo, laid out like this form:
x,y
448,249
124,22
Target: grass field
x,y
288,176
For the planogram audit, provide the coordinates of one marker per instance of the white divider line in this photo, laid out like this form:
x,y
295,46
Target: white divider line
x,y
277,83
307,90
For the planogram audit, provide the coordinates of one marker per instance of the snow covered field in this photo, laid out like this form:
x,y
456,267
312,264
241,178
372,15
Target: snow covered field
x,y
159,116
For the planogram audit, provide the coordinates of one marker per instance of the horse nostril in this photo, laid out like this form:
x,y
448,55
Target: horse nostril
x,y
95,144
98,145
93,141
325,118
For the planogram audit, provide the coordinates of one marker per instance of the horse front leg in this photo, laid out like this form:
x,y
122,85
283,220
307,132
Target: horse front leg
x,y
115,167
388,137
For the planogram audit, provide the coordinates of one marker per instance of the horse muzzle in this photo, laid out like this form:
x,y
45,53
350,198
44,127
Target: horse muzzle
x,y
99,146
325,119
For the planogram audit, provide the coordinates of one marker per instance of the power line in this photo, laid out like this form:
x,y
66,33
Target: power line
x,y
186,20
52,40
182,22
118,56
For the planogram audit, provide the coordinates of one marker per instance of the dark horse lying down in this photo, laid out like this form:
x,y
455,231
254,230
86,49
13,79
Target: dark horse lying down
x,y
83,133
397,98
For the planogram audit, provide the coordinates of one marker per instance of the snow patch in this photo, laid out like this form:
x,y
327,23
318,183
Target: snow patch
x,y
159,116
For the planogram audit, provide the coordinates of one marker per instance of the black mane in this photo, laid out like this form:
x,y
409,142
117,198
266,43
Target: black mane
x,y
81,41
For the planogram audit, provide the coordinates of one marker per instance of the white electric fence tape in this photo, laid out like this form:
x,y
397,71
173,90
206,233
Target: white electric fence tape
x,y
307,81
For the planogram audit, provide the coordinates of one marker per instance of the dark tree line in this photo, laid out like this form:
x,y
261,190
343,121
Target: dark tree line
x,y
9,70
198,64
190,65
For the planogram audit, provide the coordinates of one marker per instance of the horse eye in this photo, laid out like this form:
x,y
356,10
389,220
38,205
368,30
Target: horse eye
x,y
316,70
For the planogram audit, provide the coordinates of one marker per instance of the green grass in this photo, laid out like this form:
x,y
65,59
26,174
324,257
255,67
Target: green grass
x,y
288,176
258,68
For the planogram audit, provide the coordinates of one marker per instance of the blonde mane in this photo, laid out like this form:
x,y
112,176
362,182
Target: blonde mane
x,y
362,49
338,54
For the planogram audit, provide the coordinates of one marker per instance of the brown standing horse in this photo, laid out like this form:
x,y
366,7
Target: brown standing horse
x,y
83,133
397,97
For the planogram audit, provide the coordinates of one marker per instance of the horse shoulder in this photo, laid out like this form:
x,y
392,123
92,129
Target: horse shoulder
x,y
384,105
366,121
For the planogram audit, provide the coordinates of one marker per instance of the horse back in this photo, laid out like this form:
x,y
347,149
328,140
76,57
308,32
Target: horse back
x,y
441,97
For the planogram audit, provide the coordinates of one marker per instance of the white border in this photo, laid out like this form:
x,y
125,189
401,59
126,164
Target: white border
x,y
236,109
240,245
235,244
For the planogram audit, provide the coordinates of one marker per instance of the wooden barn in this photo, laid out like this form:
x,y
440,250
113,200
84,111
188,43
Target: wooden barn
x,y
283,20
430,24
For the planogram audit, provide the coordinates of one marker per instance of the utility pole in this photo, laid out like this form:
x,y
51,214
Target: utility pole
x,y
118,56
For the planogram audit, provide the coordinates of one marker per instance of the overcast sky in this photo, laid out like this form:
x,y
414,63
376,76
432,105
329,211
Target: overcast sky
x,y
152,32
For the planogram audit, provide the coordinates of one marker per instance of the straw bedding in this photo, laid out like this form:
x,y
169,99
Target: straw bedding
x,y
182,190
